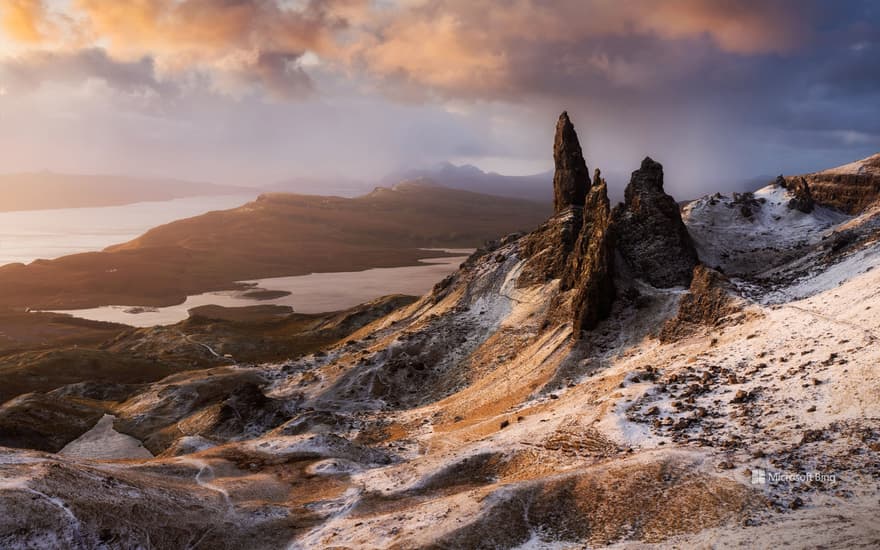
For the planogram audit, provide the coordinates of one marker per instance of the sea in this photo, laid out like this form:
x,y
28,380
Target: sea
x,y
31,234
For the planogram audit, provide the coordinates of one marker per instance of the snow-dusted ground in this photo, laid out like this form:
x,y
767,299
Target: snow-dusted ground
x,y
102,442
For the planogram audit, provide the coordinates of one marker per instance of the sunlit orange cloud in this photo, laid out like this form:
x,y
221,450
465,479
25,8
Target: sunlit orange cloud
x,y
478,44
23,20
182,33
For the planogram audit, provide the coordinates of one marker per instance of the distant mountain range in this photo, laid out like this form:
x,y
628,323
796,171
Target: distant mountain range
x,y
535,187
465,177
48,190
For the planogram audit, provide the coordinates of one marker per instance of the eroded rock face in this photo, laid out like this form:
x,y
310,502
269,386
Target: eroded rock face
x,y
572,178
707,302
649,232
849,193
851,188
591,267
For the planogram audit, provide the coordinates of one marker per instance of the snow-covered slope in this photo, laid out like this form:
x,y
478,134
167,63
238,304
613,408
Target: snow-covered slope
x,y
744,233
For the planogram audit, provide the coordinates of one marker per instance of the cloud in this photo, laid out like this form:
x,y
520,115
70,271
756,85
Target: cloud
x,y
28,71
243,44
488,49
24,20
452,48
191,31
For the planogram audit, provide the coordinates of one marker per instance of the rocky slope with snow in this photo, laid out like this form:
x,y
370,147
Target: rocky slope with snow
x,y
549,394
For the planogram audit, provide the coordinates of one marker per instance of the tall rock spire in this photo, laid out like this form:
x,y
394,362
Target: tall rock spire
x,y
571,179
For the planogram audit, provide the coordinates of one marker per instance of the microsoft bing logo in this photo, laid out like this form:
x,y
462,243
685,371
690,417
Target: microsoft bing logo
x,y
759,477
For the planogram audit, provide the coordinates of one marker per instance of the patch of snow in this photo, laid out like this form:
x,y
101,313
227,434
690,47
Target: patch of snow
x,y
8,456
535,542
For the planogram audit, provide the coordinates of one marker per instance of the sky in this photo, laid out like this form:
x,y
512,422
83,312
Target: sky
x,y
250,92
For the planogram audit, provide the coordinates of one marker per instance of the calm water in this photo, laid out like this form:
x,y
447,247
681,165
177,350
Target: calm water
x,y
26,236
314,293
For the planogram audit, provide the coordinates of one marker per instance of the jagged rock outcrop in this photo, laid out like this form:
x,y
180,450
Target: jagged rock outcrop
x,y
572,178
803,199
746,203
649,232
591,267
707,302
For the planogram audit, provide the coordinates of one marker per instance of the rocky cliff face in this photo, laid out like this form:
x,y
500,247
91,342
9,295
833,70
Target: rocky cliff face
x,y
849,193
649,232
547,249
851,188
572,178
578,245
